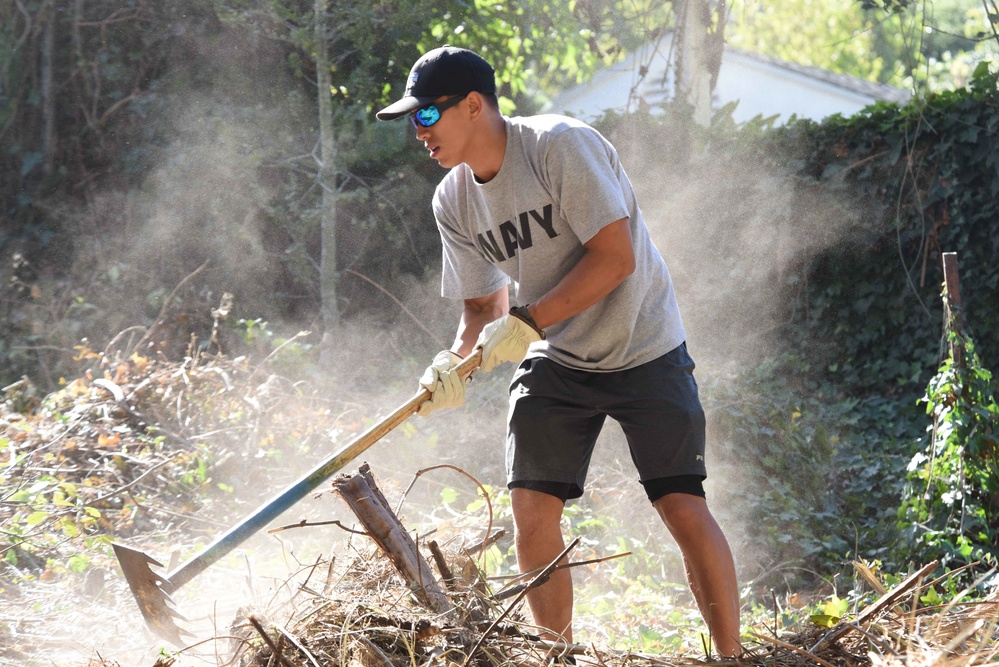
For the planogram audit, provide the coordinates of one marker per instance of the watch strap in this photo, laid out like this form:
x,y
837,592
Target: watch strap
x,y
521,313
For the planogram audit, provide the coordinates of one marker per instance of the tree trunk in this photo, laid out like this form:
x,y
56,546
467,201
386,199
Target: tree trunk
x,y
47,91
702,39
327,180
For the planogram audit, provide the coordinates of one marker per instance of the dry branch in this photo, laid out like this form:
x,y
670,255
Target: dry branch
x,y
886,601
372,510
539,579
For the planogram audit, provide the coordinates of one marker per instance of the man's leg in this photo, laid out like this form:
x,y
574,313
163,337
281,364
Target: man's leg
x,y
537,520
709,565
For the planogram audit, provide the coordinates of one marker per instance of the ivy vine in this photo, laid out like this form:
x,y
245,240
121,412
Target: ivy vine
x,y
950,507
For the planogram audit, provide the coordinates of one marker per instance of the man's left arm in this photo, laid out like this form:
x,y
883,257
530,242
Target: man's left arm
x,y
609,259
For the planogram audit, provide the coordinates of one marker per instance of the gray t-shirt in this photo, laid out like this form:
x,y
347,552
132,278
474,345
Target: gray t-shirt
x,y
560,183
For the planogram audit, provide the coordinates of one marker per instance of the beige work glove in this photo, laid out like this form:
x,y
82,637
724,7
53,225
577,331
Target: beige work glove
x,y
446,387
506,339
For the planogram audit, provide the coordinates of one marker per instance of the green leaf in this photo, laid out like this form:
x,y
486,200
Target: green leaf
x,y
824,620
836,607
931,598
68,527
78,564
36,518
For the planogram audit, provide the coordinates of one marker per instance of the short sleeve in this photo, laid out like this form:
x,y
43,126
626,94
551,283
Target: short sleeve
x,y
466,273
584,172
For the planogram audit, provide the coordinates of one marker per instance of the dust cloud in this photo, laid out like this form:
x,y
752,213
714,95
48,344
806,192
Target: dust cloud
x,y
207,197
732,233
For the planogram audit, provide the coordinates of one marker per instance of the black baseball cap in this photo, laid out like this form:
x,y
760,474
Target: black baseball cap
x,y
447,70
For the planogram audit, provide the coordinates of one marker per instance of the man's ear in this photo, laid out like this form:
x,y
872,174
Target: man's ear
x,y
476,105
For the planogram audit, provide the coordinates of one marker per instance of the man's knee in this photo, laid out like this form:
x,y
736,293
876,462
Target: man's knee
x,y
535,512
682,511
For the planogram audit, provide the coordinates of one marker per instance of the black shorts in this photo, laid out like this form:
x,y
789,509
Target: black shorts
x,y
556,414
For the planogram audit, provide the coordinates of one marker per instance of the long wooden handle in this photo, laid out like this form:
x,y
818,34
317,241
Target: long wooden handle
x,y
284,500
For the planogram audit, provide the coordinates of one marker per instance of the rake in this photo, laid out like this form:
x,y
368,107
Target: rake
x,y
153,591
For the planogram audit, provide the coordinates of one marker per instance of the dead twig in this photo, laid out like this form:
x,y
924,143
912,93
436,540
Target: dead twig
x,y
791,647
300,334
885,602
397,302
490,540
275,649
482,490
306,524
542,576
297,644
502,595
374,652
122,489
442,565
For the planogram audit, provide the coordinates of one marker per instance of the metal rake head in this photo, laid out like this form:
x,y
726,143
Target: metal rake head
x,y
151,592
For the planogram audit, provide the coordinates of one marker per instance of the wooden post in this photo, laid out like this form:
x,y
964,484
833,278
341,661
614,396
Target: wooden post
x,y
373,511
952,306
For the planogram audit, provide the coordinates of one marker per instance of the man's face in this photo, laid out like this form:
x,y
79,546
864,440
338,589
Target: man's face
x,y
447,137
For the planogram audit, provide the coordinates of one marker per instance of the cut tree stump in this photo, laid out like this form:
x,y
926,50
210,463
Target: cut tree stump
x,y
372,510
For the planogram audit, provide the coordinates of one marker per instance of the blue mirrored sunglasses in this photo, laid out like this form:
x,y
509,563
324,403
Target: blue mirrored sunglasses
x,y
428,115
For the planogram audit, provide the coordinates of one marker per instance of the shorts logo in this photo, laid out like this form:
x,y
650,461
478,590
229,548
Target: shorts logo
x,y
699,457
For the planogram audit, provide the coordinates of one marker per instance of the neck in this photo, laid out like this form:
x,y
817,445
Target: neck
x,y
489,149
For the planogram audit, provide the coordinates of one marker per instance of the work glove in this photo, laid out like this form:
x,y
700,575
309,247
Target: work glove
x,y
446,387
508,338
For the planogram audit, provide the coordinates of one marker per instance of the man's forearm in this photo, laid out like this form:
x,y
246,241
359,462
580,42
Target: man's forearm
x,y
477,313
609,259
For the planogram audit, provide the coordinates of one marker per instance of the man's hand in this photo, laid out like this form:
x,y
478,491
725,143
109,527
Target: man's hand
x,y
446,387
506,339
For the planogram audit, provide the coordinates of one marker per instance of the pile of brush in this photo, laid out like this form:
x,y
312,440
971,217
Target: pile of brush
x,y
389,608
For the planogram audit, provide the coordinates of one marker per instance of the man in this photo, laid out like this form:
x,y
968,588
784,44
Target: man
x,y
544,202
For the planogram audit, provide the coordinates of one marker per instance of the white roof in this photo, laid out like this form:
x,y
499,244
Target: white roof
x,y
762,85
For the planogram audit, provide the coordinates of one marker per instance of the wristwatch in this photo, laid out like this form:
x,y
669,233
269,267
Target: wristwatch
x,y
521,313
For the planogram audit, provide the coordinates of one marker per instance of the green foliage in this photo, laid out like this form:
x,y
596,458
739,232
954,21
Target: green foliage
x,y
102,59
951,502
543,46
867,323
927,176
816,484
832,35
831,611
921,46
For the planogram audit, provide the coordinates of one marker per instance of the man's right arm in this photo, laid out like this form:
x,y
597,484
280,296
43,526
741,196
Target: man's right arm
x,y
477,313
446,387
